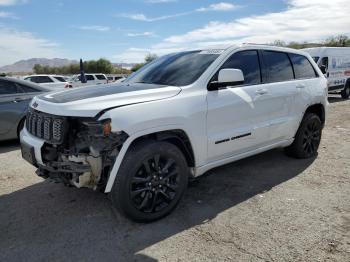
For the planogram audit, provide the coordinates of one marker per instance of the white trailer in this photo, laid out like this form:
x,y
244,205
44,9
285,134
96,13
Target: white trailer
x,y
334,62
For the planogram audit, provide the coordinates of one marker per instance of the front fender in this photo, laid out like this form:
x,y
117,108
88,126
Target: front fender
x,y
126,146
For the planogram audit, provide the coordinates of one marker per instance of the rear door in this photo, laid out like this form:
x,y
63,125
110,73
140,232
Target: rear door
x,y
278,78
307,83
13,104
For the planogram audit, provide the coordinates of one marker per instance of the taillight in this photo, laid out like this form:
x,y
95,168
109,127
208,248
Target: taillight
x,y
66,86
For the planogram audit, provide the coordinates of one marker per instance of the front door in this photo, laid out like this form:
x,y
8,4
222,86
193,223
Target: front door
x,y
237,119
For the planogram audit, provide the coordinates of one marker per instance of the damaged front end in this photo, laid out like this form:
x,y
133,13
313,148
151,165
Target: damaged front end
x,y
78,151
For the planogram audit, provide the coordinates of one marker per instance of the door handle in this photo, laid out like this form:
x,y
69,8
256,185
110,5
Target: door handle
x,y
300,86
261,92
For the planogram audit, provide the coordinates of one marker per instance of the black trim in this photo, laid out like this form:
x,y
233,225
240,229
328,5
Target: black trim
x,y
222,141
99,114
240,136
291,63
215,85
232,138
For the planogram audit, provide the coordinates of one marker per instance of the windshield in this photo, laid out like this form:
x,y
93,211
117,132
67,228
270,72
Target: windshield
x,y
178,69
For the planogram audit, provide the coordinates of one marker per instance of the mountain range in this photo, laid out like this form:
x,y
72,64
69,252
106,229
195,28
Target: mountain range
x,y
27,65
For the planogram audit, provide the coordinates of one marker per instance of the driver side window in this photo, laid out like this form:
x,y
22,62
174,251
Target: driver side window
x,y
248,62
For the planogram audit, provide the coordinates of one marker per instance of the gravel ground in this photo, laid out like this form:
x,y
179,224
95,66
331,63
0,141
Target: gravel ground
x,y
265,208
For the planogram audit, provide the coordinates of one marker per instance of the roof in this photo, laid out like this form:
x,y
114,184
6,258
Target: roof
x,y
252,46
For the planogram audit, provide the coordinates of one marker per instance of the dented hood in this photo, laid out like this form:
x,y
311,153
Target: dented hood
x,y
90,100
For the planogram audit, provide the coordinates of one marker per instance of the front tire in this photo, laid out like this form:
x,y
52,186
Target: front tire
x,y
151,181
307,138
345,93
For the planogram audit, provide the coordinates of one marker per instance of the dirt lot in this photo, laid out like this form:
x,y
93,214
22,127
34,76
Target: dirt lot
x,y
265,208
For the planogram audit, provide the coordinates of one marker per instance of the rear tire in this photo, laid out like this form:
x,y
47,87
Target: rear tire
x,y
150,182
345,93
307,138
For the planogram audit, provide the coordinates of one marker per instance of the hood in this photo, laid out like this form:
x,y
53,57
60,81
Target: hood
x,y
89,101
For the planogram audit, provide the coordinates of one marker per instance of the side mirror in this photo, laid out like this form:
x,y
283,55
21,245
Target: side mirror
x,y
323,69
227,77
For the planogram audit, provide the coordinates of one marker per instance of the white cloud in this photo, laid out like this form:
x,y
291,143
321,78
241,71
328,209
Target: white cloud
x,y
302,20
141,34
16,45
11,2
98,28
7,15
218,7
144,18
214,7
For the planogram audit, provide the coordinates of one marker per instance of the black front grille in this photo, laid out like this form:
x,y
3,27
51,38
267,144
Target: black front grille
x,y
49,127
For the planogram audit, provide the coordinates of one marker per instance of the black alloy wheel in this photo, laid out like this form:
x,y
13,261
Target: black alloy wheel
x,y
311,138
307,138
155,184
151,181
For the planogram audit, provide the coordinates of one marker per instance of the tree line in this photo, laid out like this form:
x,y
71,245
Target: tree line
x,y
334,41
149,58
92,66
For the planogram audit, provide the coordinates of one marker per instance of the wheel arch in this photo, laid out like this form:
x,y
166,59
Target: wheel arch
x,y
319,110
176,136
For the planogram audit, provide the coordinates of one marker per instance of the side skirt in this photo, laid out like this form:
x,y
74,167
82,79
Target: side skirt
x,y
202,169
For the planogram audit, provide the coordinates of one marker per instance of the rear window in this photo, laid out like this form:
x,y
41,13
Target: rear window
x,y
89,77
302,67
100,77
277,67
59,78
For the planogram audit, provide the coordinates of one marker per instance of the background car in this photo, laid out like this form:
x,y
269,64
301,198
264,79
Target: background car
x,y
15,96
92,79
52,82
116,78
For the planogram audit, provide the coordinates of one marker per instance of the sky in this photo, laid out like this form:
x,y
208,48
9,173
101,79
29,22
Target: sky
x,y
126,31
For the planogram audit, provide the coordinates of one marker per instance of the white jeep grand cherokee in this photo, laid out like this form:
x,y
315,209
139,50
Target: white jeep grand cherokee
x,y
174,119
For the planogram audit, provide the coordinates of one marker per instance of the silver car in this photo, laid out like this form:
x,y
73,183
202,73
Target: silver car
x,y
15,96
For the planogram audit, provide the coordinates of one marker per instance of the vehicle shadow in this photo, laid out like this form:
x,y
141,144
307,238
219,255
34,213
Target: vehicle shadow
x,y
50,222
8,146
